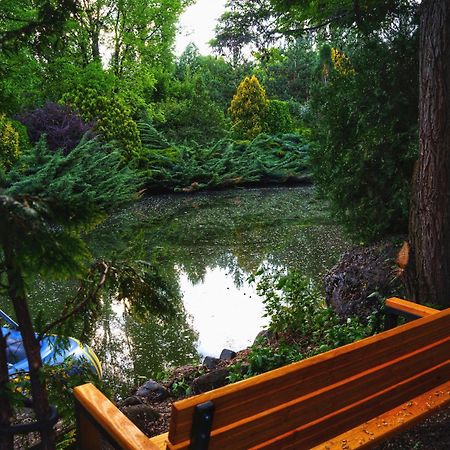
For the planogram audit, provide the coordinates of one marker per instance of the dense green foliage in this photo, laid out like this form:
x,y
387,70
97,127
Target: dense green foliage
x,y
265,159
9,144
111,117
301,325
278,117
367,135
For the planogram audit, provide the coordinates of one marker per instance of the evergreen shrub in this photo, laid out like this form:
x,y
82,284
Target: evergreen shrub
x,y
248,108
278,117
9,143
111,117
366,129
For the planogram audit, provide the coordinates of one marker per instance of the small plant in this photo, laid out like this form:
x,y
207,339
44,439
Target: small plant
x,y
181,388
303,325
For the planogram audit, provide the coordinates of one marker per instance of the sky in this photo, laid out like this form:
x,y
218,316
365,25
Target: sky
x,y
197,25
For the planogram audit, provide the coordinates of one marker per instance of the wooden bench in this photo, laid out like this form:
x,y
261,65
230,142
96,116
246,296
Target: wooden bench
x,y
352,397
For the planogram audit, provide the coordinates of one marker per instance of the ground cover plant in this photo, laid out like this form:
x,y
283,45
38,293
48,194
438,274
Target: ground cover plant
x,y
267,159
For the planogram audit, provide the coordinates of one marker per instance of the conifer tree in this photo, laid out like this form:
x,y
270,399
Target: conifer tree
x,y
248,108
45,203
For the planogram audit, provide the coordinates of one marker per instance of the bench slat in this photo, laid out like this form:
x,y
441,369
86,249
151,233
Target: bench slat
x,y
332,399
264,392
372,431
329,426
396,420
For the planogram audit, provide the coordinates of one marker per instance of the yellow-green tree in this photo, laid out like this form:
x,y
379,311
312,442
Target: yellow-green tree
x,y
248,108
9,143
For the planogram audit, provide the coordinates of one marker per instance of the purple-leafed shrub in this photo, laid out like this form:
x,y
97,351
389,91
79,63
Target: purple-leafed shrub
x,y
63,127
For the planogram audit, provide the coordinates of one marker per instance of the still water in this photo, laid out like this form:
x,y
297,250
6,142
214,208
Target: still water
x,y
206,244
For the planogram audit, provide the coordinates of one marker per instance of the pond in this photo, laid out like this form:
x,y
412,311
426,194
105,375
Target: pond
x,y
207,244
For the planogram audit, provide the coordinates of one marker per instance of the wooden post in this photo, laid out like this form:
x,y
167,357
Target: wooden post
x,y
88,435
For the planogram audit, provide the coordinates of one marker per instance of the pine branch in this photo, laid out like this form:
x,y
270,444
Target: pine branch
x,y
92,297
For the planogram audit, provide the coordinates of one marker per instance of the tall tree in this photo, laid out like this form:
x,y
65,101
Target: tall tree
x,y
245,26
23,20
428,270
143,32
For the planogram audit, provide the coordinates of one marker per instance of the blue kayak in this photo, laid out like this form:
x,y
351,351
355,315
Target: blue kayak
x,y
54,351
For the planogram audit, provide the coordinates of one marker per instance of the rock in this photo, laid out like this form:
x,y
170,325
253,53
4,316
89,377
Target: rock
x,y
153,391
360,273
226,354
141,415
209,381
263,336
210,362
130,401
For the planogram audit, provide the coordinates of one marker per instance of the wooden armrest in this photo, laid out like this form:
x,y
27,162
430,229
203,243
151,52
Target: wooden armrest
x,y
409,307
111,420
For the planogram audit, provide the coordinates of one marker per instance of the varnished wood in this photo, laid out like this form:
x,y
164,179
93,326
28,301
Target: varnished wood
x,y
410,307
327,427
256,395
160,441
111,419
88,435
374,431
324,413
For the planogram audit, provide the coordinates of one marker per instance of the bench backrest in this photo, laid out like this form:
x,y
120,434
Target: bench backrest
x,y
315,399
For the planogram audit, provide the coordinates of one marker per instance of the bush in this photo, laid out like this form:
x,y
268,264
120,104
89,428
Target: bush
x,y
366,129
192,118
62,126
111,118
266,159
278,117
9,144
248,108
303,325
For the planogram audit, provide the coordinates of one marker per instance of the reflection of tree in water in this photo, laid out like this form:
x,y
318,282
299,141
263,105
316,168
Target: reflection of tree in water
x,y
236,230
131,340
133,349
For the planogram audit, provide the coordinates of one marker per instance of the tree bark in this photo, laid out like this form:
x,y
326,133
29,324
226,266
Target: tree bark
x,y
428,270
6,442
16,292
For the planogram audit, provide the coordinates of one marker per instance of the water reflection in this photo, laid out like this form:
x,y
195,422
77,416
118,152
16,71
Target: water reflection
x,y
206,244
225,314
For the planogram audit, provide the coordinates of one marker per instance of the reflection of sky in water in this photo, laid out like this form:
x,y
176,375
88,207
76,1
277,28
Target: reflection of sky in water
x,y
120,354
225,316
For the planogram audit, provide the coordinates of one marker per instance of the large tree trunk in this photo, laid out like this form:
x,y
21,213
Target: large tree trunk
x,y
428,271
